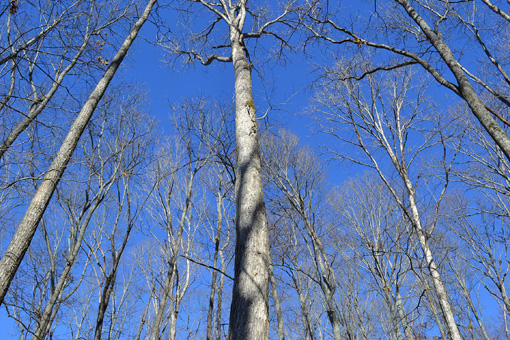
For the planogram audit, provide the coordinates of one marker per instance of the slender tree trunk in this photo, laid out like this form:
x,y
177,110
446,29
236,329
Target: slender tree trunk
x,y
305,315
327,278
172,269
437,281
432,307
249,313
393,300
277,305
403,316
219,307
143,319
109,285
25,232
472,307
170,277
210,312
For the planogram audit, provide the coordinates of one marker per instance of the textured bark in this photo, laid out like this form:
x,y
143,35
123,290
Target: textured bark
x,y
25,232
249,313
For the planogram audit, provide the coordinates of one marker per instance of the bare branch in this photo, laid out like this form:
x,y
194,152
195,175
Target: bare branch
x,y
205,61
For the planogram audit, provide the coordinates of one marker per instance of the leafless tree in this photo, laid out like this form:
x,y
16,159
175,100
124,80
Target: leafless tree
x,y
26,229
379,236
226,31
44,43
382,117
112,149
435,36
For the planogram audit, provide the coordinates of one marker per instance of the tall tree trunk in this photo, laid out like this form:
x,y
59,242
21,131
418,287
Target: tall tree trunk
x,y
25,232
249,313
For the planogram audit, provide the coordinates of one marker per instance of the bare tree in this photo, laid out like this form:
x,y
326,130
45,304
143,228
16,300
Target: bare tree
x,y
379,236
381,118
249,308
428,34
26,229
70,31
293,172
112,149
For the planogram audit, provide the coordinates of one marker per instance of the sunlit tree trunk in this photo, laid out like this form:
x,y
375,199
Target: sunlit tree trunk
x,y
249,313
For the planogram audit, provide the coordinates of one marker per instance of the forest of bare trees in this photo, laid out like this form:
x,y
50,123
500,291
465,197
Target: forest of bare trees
x,y
372,201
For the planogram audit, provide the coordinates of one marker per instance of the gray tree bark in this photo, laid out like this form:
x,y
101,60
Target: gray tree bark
x,y
25,232
249,313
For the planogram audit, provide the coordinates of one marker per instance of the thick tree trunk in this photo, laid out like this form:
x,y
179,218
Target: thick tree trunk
x,y
249,313
26,229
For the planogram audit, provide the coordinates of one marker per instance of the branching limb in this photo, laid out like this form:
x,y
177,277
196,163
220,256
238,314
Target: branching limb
x,y
360,42
192,55
216,11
